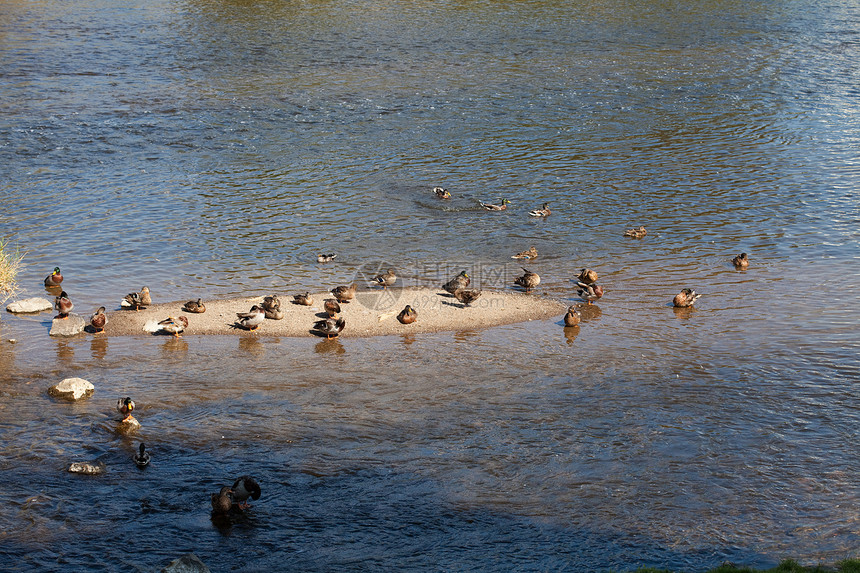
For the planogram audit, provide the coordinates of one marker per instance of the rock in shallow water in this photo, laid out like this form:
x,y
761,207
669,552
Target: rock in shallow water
x,y
72,389
87,468
36,304
68,326
188,563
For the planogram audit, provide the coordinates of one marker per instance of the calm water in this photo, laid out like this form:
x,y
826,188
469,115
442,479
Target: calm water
x,y
212,149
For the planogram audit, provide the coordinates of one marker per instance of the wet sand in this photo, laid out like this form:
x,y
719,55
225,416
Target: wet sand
x,y
371,313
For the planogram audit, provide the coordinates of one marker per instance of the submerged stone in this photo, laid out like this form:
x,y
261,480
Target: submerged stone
x,y
35,304
70,326
188,563
72,389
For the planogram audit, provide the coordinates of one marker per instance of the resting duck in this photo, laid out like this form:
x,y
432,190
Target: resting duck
x,y
542,212
685,298
175,326
64,305
303,299
461,281
441,192
272,308
222,502
252,319
98,320
344,293
125,406
54,279
407,315
245,487
195,306
528,281
530,254
329,326
500,206
589,292
332,308
142,457
137,300
326,257
467,297
587,276
636,233
386,279
741,261
572,317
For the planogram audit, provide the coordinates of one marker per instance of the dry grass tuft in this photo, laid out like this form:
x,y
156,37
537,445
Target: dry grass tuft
x,y
10,262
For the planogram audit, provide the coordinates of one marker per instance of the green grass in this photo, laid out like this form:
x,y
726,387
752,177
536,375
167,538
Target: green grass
x,y
789,566
10,261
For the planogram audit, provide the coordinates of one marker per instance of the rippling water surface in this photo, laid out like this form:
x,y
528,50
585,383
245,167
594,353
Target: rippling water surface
x,y
213,148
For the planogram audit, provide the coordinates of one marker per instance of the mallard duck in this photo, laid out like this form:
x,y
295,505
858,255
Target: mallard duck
x,y
528,281
99,319
142,457
636,233
572,317
441,192
274,314
530,254
303,299
271,303
195,306
245,487
500,206
332,308
542,212
175,326
137,300
222,502
741,261
329,326
467,297
64,305
461,281
589,292
344,293
587,276
407,315
54,279
326,257
125,406
685,298
386,279
252,319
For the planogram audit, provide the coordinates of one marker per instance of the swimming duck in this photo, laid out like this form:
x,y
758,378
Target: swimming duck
x,y
125,406
329,326
326,257
386,279
685,298
441,192
572,317
252,319
636,233
222,502
344,293
741,261
528,281
589,292
331,307
407,315
461,281
197,306
99,319
175,326
54,279
467,297
142,457
542,212
64,305
137,300
530,254
303,299
587,276
245,487
500,206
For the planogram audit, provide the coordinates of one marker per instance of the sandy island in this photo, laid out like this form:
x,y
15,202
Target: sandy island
x,y
371,313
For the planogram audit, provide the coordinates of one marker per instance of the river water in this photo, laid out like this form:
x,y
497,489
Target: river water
x,y
212,148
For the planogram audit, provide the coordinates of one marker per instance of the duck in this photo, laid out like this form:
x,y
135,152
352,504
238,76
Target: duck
x,y
685,298
587,276
196,307
385,279
441,192
243,488
500,206
636,233
530,254
98,320
741,261
572,317
252,319
542,212
326,257
175,326
142,457
331,306
528,281
272,308
54,279
329,326
137,300
467,297
303,299
589,292
222,502
125,406
344,293
408,315
274,314
461,281
64,305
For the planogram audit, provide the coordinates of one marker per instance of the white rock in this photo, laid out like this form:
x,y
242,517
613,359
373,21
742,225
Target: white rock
x,y
70,326
72,389
188,563
87,468
35,304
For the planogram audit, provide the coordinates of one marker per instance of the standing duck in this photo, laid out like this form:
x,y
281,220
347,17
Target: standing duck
x,y
385,279
685,298
142,457
542,212
329,326
500,206
196,307
54,279
175,326
408,315
137,300
252,319
589,292
245,487
741,261
441,192
98,320
528,281
461,281
64,305
125,406
222,502
331,307
467,297
344,293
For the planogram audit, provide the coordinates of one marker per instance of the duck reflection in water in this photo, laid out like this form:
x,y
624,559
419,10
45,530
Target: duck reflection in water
x,y
173,346
64,350
570,333
683,312
329,346
251,345
98,347
589,312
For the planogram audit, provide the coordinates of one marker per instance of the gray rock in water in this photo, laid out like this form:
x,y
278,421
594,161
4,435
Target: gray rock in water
x,y
87,468
35,304
72,389
188,563
68,326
